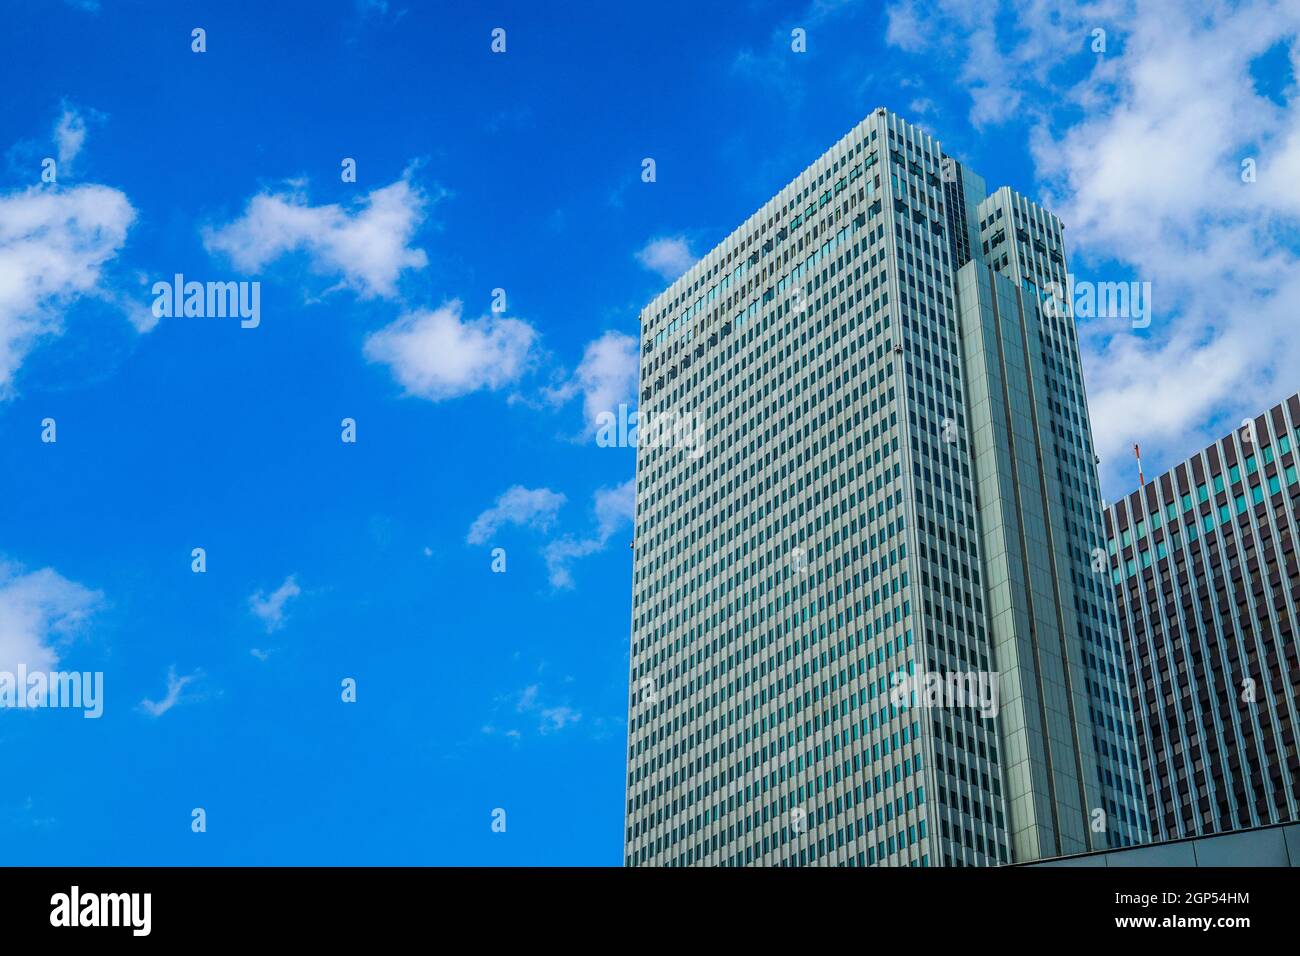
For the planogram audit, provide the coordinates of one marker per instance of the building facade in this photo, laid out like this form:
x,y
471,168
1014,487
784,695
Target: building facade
x,y
1273,846
867,628
1203,563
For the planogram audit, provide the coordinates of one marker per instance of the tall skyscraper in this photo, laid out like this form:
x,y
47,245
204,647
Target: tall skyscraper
x,y
1204,567
867,628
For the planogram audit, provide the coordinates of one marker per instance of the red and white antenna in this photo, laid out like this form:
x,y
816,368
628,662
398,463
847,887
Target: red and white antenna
x,y
1137,453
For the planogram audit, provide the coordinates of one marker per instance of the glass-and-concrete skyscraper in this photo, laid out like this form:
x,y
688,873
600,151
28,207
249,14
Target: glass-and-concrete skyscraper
x,y
870,622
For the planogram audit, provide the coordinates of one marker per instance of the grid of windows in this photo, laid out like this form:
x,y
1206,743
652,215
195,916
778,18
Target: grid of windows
x,y
1022,241
821,540
1203,563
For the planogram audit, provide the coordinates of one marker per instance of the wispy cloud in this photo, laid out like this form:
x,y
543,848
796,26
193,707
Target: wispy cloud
x,y
528,507
669,256
613,508
605,378
270,609
557,718
530,708
176,685
69,136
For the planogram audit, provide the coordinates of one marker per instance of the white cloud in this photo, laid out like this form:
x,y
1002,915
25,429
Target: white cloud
x,y
923,106
54,245
367,244
605,378
529,507
39,612
1150,175
903,27
557,718
551,718
69,136
434,354
1141,159
271,609
613,507
528,698
1000,51
669,256
175,686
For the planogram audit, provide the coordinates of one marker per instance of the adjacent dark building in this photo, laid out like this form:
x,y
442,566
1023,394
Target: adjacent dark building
x,y
1203,562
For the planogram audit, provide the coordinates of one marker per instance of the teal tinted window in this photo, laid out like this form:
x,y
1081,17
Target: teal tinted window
x,y
1218,482
1256,494
1274,485
1202,493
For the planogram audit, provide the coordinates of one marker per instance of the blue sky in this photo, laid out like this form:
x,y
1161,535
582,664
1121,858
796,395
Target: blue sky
x,y
479,171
